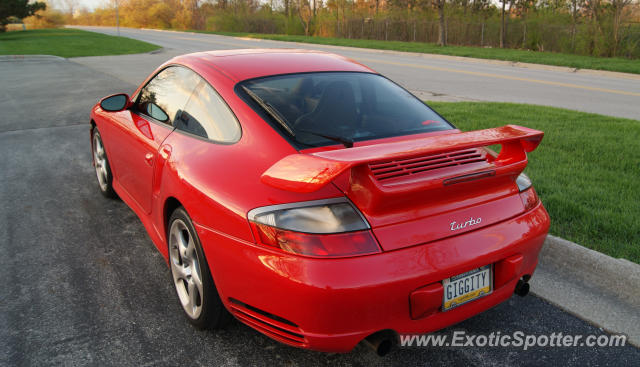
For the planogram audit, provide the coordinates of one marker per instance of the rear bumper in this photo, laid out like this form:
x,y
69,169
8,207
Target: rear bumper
x,y
332,304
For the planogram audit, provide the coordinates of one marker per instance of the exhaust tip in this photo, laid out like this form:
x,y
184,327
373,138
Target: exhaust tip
x,y
384,348
381,343
522,288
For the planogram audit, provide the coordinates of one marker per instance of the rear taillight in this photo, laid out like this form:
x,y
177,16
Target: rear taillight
x,y
529,198
523,181
323,228
527,193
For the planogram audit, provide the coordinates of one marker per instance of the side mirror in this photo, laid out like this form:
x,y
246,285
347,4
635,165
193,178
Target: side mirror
x,y
115,103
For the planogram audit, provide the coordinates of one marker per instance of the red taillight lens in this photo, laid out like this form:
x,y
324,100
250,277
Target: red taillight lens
x,y
529,198
322,245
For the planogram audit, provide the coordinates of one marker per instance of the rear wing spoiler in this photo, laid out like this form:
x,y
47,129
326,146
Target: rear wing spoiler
x,y
309,172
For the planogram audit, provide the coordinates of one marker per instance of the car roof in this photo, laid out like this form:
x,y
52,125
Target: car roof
x,y
253,63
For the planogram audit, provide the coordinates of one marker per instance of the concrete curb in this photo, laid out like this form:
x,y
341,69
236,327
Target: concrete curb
x,y
29,58
161,50
618,276
590,285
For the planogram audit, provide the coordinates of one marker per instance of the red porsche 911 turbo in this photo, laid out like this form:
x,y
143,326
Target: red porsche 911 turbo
x,y
317,201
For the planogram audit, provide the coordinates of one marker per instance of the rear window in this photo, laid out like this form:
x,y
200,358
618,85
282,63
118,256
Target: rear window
x,y
316,109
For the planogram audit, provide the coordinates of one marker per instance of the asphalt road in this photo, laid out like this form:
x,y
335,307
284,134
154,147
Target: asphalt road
x,y
83,284
436,78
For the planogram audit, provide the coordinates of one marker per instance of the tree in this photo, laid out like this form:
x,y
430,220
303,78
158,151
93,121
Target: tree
x,y
442,30
594,9
305,13
69,6
522,10
504,21
502,24
338,7
19,9
574,8
618,9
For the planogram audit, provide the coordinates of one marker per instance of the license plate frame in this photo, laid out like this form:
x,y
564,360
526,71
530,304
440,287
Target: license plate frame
x,y
459,298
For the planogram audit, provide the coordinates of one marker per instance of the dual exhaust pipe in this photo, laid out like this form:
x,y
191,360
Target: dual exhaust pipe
x,y
522,287
384,341
381,342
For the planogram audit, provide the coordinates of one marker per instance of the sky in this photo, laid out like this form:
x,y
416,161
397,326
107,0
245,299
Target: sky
x,y
89,4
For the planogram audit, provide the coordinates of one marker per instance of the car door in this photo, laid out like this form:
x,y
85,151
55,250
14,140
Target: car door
x,y
156,108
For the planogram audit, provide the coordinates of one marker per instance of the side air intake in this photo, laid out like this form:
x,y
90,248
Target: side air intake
x,y
272,325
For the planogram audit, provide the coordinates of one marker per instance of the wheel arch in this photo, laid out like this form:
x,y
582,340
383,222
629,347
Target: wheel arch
x,y
92,124
171,203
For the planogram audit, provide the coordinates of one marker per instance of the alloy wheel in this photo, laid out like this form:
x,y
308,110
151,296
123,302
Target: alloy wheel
x,y
185,268
100,162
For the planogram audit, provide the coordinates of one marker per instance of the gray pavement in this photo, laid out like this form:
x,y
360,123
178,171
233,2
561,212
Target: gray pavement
x,y
83,284
429,76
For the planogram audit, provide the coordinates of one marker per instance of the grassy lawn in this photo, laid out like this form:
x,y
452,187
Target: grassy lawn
x,y
547,58
68,43
586,170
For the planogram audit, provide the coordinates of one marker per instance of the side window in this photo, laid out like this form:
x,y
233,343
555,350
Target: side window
x,y
167,93
207,115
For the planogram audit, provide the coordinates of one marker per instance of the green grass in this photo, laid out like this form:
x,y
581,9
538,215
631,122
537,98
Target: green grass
x,y
69,43
546,58
586,170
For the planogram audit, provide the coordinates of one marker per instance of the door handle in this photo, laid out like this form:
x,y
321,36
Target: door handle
x,y
149,158
165,151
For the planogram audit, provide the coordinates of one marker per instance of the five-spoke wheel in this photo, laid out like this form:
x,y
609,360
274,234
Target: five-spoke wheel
x,y
185,268
101,164
191,275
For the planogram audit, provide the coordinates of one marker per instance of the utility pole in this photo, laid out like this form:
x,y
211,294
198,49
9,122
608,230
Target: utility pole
x,y
117,19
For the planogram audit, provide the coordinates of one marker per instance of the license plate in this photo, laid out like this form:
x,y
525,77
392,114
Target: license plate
x,y
466,287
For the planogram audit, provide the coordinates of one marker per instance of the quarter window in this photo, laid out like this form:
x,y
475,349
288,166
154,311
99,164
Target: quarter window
x,y
208,116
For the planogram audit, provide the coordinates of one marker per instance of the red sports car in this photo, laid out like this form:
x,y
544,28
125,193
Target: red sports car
x,y
316,200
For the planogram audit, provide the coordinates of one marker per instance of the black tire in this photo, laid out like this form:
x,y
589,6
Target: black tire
x,y
212,314
101,165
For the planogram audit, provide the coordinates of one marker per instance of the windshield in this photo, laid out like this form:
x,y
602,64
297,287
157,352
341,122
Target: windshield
x,y
316,109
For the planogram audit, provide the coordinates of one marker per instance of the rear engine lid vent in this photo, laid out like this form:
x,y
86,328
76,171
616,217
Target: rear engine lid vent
x,y
388,170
